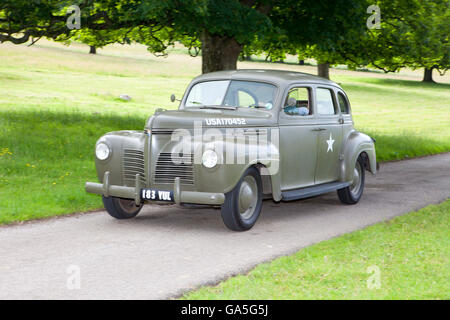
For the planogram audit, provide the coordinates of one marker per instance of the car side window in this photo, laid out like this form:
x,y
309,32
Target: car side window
x,y
324,102
343,104
298,102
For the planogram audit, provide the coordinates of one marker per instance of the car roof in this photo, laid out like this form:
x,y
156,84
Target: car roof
x,y
279,77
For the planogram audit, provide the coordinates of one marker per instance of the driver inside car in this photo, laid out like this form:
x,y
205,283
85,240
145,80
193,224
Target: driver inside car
x,y
292,108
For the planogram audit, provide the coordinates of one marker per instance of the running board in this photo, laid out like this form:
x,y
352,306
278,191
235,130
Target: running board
x,y
312,191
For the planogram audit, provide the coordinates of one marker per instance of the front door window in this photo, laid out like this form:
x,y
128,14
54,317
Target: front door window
x,y
297,102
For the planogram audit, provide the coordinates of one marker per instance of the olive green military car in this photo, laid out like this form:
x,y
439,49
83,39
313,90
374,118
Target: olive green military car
x,y
238,137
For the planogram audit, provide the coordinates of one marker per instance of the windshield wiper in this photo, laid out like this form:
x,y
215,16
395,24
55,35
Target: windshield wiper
x,y
219,107
256,106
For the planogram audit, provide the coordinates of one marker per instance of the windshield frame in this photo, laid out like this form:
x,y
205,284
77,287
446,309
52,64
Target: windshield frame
x,y
183,106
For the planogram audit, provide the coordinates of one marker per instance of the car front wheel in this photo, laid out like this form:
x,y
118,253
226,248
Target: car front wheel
x,y
243,204
121,208
352,193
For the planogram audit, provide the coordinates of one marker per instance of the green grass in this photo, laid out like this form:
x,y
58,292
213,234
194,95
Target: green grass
x,y
404,146
48,158
56,101
400,107
411,253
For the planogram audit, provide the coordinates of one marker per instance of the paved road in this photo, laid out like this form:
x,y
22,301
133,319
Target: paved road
x,y
168,249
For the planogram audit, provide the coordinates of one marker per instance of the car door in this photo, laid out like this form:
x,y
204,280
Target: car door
x,y
329,142
298,141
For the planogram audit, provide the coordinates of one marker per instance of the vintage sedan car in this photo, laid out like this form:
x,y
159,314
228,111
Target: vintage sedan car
x,y
238,137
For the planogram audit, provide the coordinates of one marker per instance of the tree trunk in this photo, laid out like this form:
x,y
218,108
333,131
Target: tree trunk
x,y
323,70
219,53
428,75
92,50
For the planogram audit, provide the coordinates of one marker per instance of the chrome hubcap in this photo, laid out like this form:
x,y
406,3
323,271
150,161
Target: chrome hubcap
x,y
248,194
356,184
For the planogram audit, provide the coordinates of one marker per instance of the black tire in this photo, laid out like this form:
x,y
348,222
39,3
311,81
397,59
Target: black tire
x,y
121,208
233,214
352,193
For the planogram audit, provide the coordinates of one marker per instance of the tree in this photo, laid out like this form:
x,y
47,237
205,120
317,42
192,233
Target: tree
x,y
413,33
324,59
335,26
416,36
95,39
221,29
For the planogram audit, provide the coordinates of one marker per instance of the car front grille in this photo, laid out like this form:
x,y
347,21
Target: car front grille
x,y
133,163
169,166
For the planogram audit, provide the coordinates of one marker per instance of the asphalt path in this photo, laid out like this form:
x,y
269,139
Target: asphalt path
x,y
168,250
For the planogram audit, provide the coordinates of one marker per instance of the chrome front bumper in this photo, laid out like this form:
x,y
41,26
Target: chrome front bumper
x,y
107,190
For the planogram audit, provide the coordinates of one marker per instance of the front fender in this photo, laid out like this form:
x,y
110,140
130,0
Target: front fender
x,y
118,141
356,143
225,176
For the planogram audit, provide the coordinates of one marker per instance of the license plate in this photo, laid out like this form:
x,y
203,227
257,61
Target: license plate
x,y
157,195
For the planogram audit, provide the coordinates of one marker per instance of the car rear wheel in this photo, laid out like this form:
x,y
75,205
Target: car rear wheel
x,y
243,204
352,193
121,208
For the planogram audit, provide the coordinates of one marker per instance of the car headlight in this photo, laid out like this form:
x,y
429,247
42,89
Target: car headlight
x,y
209,158
102,151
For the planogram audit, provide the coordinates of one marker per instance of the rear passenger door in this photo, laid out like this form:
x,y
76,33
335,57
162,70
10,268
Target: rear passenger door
x,y
329,140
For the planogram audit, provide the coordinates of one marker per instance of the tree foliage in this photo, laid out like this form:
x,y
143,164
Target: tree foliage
x,y
413,33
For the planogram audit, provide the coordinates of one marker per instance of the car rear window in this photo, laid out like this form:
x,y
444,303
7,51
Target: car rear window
x,y
343,104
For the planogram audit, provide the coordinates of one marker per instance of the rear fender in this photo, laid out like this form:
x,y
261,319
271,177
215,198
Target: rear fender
x,y
357,143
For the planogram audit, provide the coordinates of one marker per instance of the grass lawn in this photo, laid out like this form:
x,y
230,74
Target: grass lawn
x,y
56,101
47,159
404,258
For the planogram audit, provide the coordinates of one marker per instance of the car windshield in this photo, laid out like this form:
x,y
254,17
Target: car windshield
x,y
234,93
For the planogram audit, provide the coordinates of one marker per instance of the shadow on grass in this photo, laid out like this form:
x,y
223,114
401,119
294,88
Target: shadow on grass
x,y
47,135
50,157
386,91
404,83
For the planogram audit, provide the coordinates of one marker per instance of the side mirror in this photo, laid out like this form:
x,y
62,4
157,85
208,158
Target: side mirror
x,y
172,97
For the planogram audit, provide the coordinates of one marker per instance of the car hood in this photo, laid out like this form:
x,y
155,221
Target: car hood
x,y
186,118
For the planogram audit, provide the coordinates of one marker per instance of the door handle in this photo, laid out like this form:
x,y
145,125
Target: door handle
x,y
318,129
341,120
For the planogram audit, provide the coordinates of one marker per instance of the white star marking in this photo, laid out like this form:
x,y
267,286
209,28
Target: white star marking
x,y
330,143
